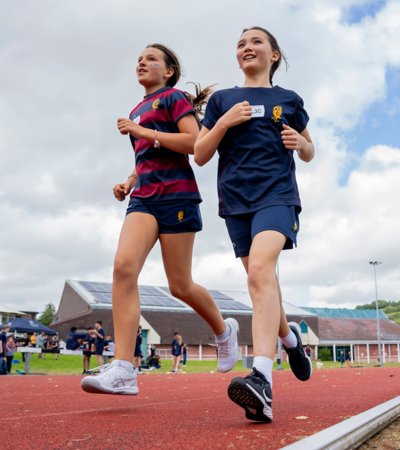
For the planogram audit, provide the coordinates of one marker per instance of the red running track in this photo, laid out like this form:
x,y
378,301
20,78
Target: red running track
x,y
181,411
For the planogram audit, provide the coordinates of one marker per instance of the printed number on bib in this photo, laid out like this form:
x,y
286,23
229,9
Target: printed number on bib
x,y
257,111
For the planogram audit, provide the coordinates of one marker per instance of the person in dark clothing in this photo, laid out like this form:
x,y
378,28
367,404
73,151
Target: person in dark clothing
x,y
99,344
72,342
138,348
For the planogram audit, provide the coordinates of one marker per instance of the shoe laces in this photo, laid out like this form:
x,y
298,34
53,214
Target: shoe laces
x,y
224,348
100,369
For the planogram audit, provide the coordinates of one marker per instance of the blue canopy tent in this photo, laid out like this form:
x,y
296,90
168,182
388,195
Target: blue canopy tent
x,y
21,325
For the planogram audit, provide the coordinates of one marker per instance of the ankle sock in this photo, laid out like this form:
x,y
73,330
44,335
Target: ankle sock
x,y
127,365
289,341
264,365
225,335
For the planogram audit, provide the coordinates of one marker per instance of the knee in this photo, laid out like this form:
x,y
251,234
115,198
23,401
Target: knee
x,y
123,269
179,289
260,278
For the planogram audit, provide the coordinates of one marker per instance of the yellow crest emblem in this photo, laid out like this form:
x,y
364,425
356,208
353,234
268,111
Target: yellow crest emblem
x,y
295,227
155,104
277,113
180,215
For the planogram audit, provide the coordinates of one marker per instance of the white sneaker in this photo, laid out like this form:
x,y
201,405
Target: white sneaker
x,y
112,379
228,351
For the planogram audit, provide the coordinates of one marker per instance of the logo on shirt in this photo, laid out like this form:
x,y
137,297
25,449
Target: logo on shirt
x,y
155,104
180,215
295,227
257,111
136,119
277,113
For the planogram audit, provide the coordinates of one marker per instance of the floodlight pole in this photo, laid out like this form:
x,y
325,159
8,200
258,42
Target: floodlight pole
x,y
378,326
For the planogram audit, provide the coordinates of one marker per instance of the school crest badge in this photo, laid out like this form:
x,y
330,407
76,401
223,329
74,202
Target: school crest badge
x,y
155,104
277,113
180,215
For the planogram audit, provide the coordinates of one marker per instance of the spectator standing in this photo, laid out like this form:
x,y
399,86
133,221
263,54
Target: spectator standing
x,y
54,346
99,344
341,359
184,354
138,348
25,342
176,352
88,349
3,342
10,350
109,346
33,339
40,343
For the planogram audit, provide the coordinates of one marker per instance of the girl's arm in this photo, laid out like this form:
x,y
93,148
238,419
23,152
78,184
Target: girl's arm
x,y
301,142
121,190
208,140
182,142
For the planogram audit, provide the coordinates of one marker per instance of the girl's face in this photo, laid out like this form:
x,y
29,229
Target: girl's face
x,y
151,70
254,52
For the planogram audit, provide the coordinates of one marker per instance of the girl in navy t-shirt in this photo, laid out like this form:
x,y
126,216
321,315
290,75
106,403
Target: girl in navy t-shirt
x,y
256,130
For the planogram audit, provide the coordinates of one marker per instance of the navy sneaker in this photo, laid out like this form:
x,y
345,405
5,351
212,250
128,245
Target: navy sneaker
x,y
300,363
254,394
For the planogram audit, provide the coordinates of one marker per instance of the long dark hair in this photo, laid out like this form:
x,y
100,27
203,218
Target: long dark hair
x,y
275,47
199,100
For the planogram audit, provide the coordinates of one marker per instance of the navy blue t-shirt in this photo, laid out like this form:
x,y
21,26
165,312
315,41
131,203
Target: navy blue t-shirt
x,y
255,170
100,341
3,339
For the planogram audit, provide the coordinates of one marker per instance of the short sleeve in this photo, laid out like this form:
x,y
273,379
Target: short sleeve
x,y
300,117
212,113
179,106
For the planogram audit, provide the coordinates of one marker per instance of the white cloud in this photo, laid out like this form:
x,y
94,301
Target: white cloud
x,y
70,75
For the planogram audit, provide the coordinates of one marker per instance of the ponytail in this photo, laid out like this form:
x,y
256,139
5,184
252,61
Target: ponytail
x,y
199,100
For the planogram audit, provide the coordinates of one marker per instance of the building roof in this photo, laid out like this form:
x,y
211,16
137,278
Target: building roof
x,y
344,313
7,309
98,296
332,329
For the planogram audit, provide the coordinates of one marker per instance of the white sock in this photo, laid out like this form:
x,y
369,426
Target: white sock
x,y
264,365
290,341
225,335
127,365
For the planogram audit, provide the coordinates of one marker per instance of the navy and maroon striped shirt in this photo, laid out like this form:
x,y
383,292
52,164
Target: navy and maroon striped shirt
x,y
162,174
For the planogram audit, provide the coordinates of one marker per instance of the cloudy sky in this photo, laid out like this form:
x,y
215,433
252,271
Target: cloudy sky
x,y
68,73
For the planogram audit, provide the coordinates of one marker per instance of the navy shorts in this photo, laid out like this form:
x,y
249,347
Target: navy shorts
x,y
180,216
243,227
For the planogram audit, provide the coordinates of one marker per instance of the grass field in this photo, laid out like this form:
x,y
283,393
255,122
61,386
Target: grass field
x,y
72,364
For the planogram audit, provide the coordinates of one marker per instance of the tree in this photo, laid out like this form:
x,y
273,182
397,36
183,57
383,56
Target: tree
x,y
48,314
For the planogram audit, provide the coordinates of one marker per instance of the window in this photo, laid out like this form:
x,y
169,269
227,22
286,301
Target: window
x,y
303,327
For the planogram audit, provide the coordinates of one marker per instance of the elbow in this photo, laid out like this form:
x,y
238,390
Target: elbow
x,y
198,160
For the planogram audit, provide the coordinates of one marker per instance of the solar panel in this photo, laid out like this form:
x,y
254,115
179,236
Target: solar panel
x,y
152,296
219,295
102,297
92,286
150,290
157,300
231,305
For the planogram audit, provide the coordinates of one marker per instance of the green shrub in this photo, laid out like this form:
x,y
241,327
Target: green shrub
x,y
325,354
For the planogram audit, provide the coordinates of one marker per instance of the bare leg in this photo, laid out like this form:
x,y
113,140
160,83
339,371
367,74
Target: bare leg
x,y
283,324
264,290
138,235
177,250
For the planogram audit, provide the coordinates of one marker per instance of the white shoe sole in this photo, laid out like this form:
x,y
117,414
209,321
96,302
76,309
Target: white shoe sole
x,y
92,386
